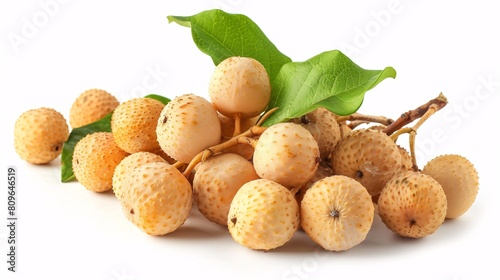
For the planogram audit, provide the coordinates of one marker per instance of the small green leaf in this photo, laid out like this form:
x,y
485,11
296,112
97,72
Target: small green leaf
x,y
160,98
102,125
76,135
221,35
329,80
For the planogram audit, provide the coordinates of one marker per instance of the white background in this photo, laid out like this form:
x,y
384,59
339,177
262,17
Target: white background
x,y
52,53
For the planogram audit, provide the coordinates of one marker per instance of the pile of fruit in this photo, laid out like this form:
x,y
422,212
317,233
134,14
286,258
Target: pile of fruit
x,y
320,172
315,172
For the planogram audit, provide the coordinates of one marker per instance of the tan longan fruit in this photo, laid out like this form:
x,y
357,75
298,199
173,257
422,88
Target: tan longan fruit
x,y
286,153
263,215
412,204
322,123
127,165
240,86
90,106
216,181
157,198
187,125
459,179
134,124
94,161
39,135
368,156
337,213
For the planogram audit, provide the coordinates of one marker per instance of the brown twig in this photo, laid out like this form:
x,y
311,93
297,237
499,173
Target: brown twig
x,y
366,118
414,114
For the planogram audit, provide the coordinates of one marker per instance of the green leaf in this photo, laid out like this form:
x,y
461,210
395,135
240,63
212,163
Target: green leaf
x,y
160,98
329,80
76,134
221,35
102,125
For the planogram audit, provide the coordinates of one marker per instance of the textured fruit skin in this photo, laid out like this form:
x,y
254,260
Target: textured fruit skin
x,y
240,86
368,156
412,204
406,163
157,198
90,106
459,179
216,181
128,164
134,124
39,135
188,125
323,125
337,213
95,158
322,172
263,215
286,153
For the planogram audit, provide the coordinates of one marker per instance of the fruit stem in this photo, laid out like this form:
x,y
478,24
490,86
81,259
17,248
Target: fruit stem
x,y
414,164
416,113
205,154
247,140
178,164
365,118
237,125
265,116
398,133
433,108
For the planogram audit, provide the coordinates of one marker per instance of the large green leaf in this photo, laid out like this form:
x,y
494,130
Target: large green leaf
x,y
329,80
222,35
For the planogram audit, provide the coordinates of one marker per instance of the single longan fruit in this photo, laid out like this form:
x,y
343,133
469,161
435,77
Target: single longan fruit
x,y
186,126
263,215
412,204
368,156
322,123
337,213
90,106
286,153
39,135
94,161
134,124
459,179
157,198
240,86
127,165
216,181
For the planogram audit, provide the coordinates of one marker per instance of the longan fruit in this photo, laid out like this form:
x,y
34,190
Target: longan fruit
x,y
39,135
240,86
322,123
337,213
127,165
134,124
157,198
95,158
263,215
286,153
368,156
186,126
459,179
217,180
412,204
90,106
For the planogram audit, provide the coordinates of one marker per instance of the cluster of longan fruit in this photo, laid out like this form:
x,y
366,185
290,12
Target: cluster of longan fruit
x,y
314,173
